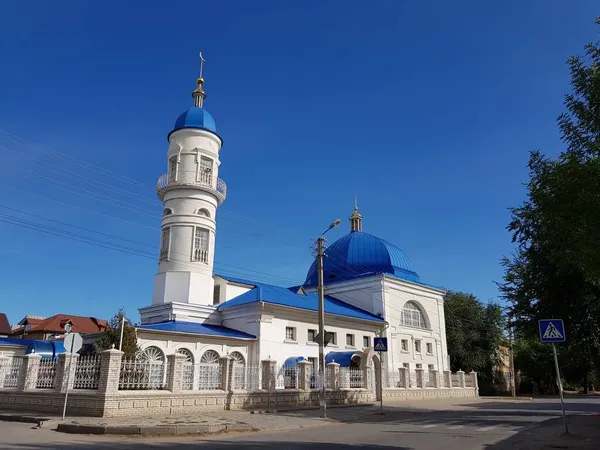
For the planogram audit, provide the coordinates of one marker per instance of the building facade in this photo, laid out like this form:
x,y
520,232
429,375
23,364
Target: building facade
x,y
371,286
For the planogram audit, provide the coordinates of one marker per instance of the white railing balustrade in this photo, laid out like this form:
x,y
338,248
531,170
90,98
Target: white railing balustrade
x,y
187,382
351,377
87,372
143,375
184,178
46,374
208,376
412,380
247,377
455,380
468,380
201,255
287,377
11,369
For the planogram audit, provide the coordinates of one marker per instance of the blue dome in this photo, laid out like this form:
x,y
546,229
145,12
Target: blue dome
x,y
360,254
195,118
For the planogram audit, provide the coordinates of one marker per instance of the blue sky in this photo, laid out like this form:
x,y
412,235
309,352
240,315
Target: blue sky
x,y
426,110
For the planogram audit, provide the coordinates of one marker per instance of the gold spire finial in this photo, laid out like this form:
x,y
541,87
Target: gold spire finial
x,y
199,94
356,218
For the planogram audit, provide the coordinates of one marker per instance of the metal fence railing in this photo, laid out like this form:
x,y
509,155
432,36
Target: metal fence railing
x,y
46,374
143,375
87,372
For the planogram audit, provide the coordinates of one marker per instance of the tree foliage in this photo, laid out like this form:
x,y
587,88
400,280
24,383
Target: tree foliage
x,y
555,271
112,335
474,332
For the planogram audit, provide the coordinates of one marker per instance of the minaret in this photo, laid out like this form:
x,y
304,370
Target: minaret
x,y
355,218
191,192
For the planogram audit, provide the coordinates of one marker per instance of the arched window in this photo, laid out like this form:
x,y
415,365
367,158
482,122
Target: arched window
x,y
203,212
189,357
152,355
238,358
412,316
167,212
210,357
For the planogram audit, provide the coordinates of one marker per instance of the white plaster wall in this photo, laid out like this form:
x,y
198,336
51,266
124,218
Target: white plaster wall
x,y
396,294
12,350
169,343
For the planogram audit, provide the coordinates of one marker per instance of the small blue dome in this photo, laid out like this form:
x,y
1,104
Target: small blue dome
x,y
195,118
360,254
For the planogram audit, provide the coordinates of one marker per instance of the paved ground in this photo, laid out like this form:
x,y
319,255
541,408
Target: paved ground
x,y
426,425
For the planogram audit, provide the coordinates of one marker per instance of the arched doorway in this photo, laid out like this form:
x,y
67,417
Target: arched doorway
x,y
371,365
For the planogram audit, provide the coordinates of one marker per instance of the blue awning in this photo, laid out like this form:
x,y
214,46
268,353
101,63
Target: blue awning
x,y
292,360
344,359
46,349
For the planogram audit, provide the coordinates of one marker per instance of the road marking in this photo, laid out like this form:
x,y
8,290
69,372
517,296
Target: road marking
x,y
431,425
485,429
456,427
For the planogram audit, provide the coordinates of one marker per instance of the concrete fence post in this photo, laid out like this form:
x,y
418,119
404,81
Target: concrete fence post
x,y
420,381
434,378
304,376
110,371
333,375
175,372
225,362
268,374
473,375
461,379
29,372
5,363
447,379
403,377
67,362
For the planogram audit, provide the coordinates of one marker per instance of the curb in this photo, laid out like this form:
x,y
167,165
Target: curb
x,y
23,419
152,430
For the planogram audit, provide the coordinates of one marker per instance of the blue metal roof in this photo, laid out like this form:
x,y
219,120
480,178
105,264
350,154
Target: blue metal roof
x,y
195,118
344,359
197,328
361,254
278,295
46,349
292,360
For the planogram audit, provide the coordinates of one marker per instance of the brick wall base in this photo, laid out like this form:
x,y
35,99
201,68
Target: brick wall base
x,y
161,403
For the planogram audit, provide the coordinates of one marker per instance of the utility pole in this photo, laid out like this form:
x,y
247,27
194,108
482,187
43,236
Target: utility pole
x,y
513,380
122,328
321,294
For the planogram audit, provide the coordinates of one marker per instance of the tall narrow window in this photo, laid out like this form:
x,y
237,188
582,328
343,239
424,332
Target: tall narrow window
x,y
165,243
173,168
205,169
200,245
217,294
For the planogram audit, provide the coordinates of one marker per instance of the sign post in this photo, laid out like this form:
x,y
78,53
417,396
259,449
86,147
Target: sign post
x,y
380,345
74,342
553,331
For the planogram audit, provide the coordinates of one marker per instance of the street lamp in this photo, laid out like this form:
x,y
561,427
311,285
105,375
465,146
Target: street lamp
x,y
321,294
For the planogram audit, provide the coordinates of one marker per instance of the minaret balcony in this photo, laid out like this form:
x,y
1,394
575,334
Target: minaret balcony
x,y
194,180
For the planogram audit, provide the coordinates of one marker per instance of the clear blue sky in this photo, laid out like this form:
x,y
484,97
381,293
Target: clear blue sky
x,y
426,110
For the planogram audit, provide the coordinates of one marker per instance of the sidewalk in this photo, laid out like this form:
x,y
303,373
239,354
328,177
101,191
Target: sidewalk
x,y
584,434
198,423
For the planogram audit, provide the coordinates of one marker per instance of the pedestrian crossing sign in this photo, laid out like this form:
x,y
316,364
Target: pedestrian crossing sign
x,y
380,344
552,330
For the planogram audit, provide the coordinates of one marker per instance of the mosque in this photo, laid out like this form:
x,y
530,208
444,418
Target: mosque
x,y
371,288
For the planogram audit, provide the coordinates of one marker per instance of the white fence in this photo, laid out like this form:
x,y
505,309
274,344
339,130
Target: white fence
x,y
351,377
246,377
10,369
201,376
142,375
46,374
87,372
287,377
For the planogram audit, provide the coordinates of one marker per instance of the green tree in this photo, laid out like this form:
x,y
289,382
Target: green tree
x,y
474,332
112,335
555,271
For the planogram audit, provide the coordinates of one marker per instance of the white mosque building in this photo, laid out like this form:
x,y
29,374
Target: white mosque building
x,y
371,287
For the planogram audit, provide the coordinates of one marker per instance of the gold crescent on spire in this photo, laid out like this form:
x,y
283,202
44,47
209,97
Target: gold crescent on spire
x,y
199,94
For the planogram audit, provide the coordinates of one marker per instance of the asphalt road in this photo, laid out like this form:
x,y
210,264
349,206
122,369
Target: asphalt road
x,y
489,424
